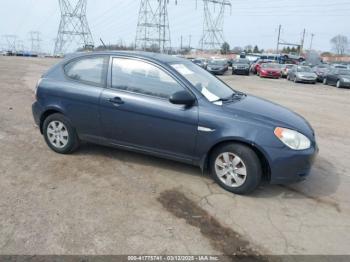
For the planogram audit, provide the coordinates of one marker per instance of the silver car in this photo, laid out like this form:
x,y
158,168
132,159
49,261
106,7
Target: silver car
x,y
302,74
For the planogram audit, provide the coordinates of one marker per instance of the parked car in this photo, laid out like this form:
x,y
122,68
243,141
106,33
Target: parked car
x,y
202,62
339,66
169,107
217,66
321,70
285,68
256,66
302,74
271,70
241,66
338,77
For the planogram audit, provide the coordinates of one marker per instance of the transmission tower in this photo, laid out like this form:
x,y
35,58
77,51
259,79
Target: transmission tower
x,y
35,41
73,27
153,31
213,26
11,42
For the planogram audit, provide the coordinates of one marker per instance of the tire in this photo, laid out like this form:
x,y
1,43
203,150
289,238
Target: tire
x,y
338,85
288,79
249,164
296,80
325,81
59,134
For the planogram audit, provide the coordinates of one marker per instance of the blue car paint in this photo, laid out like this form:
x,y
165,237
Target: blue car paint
x,y
155,126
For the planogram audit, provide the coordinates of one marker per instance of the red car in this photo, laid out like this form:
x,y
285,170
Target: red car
x,y
256,66
270,70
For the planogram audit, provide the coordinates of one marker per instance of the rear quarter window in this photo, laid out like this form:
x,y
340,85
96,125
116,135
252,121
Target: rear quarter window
x,y
89,70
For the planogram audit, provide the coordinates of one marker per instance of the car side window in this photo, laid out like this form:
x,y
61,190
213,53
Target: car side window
x,y
143,78
90,70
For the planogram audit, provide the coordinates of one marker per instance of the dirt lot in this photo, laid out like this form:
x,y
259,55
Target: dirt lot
x,y
108,201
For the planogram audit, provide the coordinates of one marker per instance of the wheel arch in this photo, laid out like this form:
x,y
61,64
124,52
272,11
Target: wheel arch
x,y
204,164
46,114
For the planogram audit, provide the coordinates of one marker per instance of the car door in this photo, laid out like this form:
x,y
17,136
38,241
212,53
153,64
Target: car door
x,y
79,92
136,112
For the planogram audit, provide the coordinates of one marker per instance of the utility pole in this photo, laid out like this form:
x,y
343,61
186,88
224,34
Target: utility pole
x,y
278,38
73,27
189,41
302,42
312,38
213,32
181,43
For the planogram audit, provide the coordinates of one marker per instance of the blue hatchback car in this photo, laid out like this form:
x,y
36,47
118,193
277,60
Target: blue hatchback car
x,y
169,107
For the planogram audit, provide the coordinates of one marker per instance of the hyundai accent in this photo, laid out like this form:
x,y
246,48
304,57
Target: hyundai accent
x,y
169,107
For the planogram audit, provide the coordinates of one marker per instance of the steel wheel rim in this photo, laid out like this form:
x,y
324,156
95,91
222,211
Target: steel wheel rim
x,y
338,83
57,134
230,169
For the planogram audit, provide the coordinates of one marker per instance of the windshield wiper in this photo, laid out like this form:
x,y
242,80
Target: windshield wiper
x,y
236,95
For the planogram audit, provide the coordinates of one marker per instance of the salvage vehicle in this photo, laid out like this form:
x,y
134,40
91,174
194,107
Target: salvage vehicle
x,y
321,70
169,107
202,62
241,66
338,77
217,66
270,70
285,68
302,74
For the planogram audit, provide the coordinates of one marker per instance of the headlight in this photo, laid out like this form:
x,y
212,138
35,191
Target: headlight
x,y
346,79
292,139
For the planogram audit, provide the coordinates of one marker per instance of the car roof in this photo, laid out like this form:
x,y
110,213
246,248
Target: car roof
x,y
162,58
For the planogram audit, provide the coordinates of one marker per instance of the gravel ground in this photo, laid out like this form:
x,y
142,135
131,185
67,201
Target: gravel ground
x,y
107,201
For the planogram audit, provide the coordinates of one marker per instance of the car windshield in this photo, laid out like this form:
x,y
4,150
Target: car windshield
x,y
344,72
241,61
304,69
217,62
273,66
211,87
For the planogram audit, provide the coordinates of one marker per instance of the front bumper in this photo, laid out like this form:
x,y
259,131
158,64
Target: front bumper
x,y
306,80
270,75
289,166
345,84
217,71
242,71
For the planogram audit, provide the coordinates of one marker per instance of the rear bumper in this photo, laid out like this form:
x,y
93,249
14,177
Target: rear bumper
x,y
36,111
217,72
290,166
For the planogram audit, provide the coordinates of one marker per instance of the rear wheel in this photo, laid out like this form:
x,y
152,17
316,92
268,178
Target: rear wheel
x,y
59,134
325,82
236,168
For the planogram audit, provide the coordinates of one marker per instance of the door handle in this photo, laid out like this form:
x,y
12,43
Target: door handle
x,y
116,100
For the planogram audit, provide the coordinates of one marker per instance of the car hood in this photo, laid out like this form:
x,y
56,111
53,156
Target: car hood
x,y
269,113
307,74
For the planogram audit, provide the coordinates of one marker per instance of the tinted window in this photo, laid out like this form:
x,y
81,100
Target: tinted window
x,y
91,70
144,78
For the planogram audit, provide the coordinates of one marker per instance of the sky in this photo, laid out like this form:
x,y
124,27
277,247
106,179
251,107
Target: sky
x,y
250,22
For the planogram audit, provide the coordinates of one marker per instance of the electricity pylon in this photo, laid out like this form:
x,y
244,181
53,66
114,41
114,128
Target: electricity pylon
x,y
73,27
213,25
35,41
153,31
11,42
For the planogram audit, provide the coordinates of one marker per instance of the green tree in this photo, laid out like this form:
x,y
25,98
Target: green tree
x,y
256,49
225,48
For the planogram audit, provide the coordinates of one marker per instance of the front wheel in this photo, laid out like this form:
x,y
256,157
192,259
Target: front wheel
x,y
338,84
59,134
236,168
325,81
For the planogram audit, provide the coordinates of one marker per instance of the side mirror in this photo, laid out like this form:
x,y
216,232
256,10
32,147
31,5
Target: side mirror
x,y
182,98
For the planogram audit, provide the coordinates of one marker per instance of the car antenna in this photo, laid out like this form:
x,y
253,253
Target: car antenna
x,y
103,43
